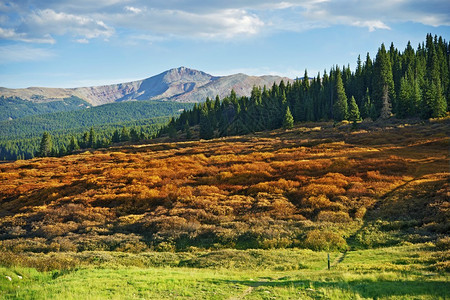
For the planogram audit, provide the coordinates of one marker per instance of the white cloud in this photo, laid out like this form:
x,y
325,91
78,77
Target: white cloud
x,y
82,41
132,9
227,23
11,34
21,53
372,25
213,19
59,23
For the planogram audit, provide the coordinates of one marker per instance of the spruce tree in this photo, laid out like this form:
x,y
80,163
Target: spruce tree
x,y
386,106
62,150
46,146
206,131
340,106
404,98
353,111
73,145
437,105
124,135
92,138
288,120
187,130
383,84
172,131
116,136
134,135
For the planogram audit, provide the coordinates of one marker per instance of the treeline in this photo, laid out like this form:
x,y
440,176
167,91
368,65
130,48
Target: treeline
x,y
412,83
60,144
92,140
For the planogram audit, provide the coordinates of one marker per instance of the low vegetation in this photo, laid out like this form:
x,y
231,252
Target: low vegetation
x,y
321,187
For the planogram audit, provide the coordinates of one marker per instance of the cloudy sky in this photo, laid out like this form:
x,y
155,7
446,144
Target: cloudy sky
x,y
69,43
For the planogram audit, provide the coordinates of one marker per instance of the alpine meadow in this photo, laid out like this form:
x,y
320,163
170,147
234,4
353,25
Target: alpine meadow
x,y
335,186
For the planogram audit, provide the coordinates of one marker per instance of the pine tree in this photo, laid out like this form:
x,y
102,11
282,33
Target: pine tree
x,y
340,106
124,135
288,121
386,106
353,111
62,150
172,131
92,138
206,131
116,136
383,84
134,135
46,146
187,130
84,143
404,98
73,145
436,103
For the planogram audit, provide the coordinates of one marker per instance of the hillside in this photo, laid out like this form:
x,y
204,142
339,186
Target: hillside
x,y
76,121
180,84
315,186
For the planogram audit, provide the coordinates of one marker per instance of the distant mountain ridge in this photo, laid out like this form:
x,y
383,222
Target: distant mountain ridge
x,y
179,84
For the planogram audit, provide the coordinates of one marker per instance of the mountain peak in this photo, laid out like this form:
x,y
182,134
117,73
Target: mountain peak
x,y
185,75
178,84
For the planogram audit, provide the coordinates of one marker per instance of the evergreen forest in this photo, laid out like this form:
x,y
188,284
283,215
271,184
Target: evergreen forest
x,y
408,84
84,128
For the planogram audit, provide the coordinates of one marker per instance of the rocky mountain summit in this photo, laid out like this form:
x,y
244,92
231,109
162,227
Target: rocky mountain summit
x,y
179,84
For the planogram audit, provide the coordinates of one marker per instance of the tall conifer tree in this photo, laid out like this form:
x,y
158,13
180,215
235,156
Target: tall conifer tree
x,y
383,84
288,120
340,106
46,146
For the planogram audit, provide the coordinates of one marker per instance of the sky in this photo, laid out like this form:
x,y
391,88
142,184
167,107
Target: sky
x,y
73,43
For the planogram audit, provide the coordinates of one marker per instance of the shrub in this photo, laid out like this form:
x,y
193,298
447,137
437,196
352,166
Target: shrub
x,y
443,243
324,241
333,216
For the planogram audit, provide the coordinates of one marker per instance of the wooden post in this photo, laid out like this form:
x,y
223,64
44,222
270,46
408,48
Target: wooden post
x,y
329,266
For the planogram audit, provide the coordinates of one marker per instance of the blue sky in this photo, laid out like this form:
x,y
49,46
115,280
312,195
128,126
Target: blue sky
x,y
70,43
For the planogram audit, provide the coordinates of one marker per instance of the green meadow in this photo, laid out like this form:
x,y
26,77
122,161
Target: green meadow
x,y
409,271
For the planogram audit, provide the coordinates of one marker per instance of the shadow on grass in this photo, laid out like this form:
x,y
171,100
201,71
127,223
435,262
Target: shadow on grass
x,y
363,288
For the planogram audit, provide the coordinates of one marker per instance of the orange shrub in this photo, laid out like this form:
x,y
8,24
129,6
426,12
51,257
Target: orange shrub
x,y
314,189
333,216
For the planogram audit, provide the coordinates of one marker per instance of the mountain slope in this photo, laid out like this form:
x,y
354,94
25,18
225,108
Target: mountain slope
x,y
180,84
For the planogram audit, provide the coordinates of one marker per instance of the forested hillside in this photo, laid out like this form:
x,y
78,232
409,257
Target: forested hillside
x,y
21,138
12,108
412,83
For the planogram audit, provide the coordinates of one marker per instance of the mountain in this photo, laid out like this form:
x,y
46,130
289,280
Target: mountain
x,y
180,84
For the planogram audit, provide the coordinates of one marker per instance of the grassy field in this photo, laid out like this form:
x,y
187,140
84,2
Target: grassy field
x,y
401,272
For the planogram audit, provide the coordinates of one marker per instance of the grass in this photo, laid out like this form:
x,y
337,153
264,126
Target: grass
x,y
401,272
